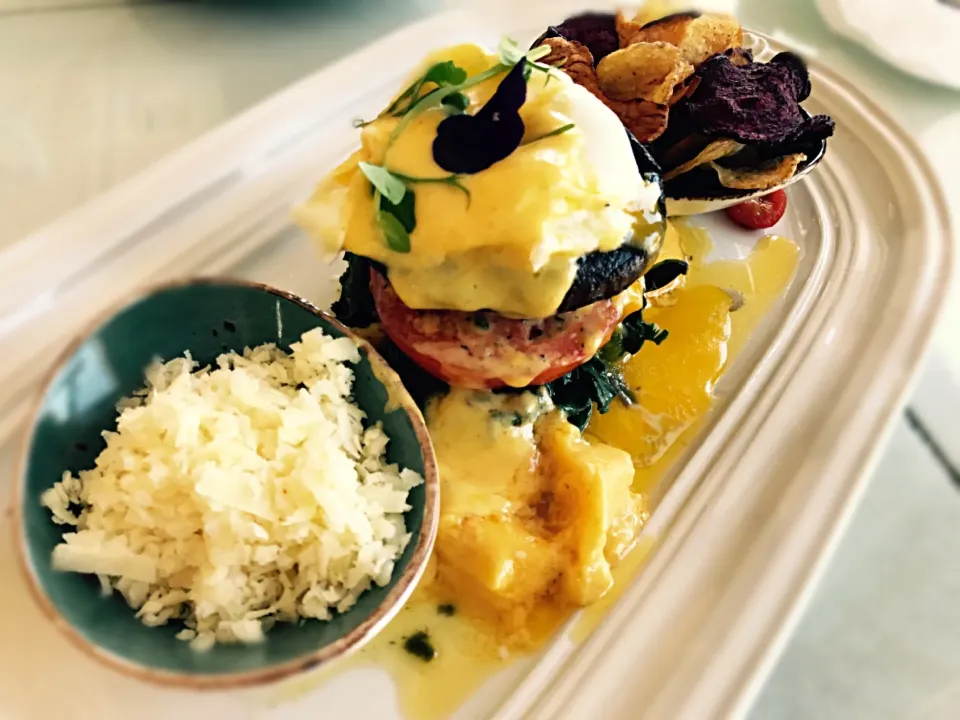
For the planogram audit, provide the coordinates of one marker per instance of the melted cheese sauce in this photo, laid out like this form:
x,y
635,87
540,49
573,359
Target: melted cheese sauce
x,y
513,245
491,467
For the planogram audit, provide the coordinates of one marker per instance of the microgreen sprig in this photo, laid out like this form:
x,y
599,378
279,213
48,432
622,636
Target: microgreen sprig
x,y
509,54
393,193
394,201
553,133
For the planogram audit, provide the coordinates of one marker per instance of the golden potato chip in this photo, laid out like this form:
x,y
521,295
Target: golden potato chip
x,y
762,177
670,29
627,28
573,58
708,35
649,71
697,36
683,89
670,156
646,120
714,151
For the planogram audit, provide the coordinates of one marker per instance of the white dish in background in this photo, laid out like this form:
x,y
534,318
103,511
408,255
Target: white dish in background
x,y
918,37
752,511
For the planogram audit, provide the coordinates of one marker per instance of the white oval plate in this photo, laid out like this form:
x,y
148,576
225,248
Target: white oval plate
x,y
752,511
919,37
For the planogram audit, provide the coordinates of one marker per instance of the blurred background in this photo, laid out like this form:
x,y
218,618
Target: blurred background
x,y
92,91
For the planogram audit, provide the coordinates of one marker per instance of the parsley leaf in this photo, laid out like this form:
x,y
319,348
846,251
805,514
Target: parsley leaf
x,y
388,184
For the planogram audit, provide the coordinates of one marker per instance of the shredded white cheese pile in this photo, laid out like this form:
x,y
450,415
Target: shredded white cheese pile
x,y
235,497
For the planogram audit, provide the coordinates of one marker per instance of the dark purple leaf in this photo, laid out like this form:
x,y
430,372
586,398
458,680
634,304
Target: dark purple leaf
x,y
467,144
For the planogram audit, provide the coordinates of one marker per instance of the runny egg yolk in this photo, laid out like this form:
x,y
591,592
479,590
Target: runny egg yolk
x,y
512,246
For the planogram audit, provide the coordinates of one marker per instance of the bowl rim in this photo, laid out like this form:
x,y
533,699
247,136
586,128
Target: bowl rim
x,y
343,646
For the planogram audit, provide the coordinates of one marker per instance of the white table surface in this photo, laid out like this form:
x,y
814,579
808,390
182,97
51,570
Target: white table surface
x,y
92,91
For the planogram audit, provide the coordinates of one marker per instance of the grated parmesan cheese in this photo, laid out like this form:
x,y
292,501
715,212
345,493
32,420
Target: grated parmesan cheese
x,y
235,497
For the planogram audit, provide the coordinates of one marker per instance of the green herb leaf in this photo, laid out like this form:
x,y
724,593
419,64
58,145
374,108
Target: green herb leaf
x,y
432,99
456,103
635,331
451,180
442,73
593,383
600,381
539,52
388,184
394,232
553,133
404,211
509,51
445,73
420,646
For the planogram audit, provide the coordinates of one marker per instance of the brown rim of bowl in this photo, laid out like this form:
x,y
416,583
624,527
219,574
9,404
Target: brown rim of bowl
x,y
353,640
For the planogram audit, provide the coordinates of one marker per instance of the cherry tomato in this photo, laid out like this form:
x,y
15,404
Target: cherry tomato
x,y
761,212
485,350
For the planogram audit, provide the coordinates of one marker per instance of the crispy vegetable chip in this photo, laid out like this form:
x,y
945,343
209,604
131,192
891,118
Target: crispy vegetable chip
x,y
740,56
709,35
761,177
714,151
650,71
646,120
670,29
684,89
798,69
596,31
697,36
754,103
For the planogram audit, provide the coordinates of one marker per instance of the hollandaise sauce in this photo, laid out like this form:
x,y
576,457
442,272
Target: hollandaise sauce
x,y
506,239
537,522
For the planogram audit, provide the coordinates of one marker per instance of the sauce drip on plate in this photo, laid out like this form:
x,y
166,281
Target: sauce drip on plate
x,y
492,465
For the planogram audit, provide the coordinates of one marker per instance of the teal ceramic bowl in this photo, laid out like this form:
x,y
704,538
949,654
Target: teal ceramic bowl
x,y
78,402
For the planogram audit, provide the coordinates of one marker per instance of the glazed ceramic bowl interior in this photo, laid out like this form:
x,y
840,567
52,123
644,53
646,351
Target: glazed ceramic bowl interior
x,y
205,318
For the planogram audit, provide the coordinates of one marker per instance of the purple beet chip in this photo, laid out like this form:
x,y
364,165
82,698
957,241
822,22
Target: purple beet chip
x,y
757,103
598,31
467,144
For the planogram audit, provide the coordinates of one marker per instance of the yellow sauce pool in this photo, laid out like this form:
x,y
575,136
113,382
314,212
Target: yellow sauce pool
x,y
673,383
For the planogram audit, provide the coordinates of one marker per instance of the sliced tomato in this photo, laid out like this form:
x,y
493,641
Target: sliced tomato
x,y
485,350
759,213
